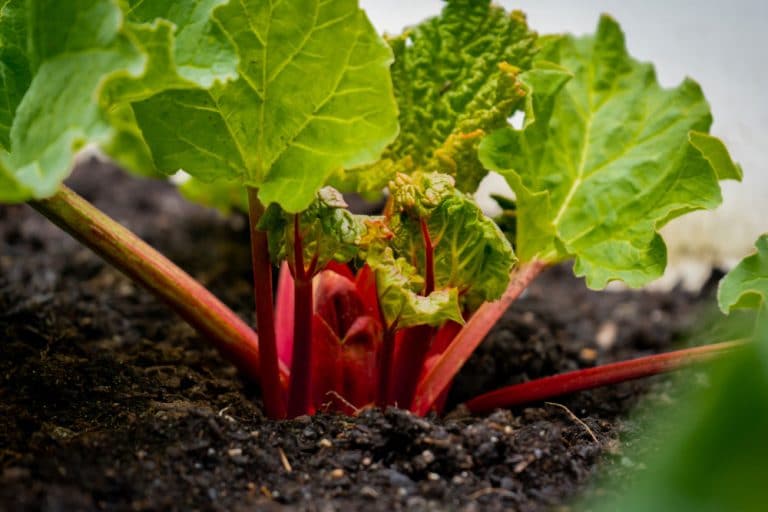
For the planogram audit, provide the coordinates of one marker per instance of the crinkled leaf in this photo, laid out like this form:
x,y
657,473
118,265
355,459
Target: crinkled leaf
x,y
328,231
62,65
419,194
313,95
470,252
399,286
746,285
607,161
456,78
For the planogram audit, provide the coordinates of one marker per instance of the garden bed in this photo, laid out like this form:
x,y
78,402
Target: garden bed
x,y
109,401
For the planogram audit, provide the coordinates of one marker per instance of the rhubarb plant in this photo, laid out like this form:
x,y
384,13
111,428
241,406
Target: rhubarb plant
x,y
269,105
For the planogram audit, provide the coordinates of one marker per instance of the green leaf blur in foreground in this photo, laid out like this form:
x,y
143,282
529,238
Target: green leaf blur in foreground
x,y
746,285
313,95
607,161
710,456
471,253
455,78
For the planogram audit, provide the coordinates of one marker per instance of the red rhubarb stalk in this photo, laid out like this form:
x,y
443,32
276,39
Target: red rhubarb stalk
x,y
440,376
412,347
271,390
411,351
215,322
284,308
301,367
385,365
566,383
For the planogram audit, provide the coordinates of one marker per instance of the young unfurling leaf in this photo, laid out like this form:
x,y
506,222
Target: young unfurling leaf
x,y
470,253
328,231
608,161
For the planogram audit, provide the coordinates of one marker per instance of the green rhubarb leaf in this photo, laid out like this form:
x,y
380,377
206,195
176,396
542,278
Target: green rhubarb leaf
x,y
50,115
455,78
63,66
746,285
470,252
327,229
313,96
185,48
399,286
199,52
607,161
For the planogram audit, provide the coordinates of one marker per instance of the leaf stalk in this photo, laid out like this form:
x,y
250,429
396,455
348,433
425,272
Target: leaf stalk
x,y
548,388
121,248
271,388
301,368
440,376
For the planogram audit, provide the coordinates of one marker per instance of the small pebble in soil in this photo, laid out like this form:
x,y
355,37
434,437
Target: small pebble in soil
x,y
606,335
588,355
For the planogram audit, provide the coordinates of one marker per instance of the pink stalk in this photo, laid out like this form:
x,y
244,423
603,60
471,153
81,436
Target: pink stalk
x,y
214,321
299,400
566,383
271,390
440,376
284,315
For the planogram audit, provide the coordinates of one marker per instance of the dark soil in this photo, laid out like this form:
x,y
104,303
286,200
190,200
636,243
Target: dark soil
x,y
109,401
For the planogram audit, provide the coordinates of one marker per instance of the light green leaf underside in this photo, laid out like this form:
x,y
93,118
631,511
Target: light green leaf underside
x,y
62,67
313,96
455,78
225,196
11,190
746,285
470,253
608,160
399,287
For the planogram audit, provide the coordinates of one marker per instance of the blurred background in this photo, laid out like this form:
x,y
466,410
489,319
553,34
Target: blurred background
x,y
724,47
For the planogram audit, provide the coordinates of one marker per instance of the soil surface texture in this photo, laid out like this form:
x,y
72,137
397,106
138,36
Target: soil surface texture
x,y
108,401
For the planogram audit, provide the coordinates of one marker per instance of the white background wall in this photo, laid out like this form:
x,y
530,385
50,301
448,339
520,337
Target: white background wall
x,y
723,46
